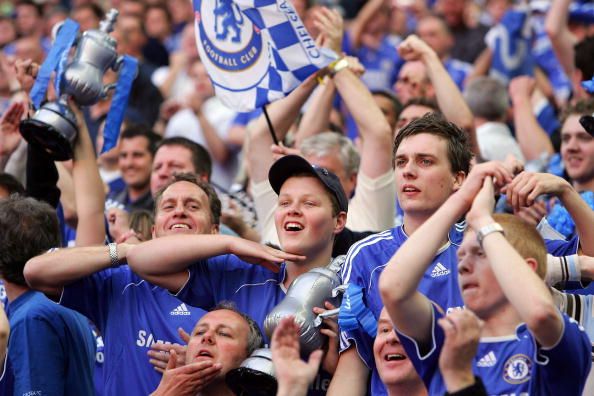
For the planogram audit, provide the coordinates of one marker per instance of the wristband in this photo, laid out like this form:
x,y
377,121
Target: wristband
x,y
476,389
113,255
337,66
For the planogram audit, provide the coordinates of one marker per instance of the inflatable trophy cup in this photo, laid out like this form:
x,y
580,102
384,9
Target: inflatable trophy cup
x,y
53,127
309,290
255,376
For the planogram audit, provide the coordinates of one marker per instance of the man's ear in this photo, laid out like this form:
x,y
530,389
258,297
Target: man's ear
x,y
532,263
459,178
341,219
153,236
214,229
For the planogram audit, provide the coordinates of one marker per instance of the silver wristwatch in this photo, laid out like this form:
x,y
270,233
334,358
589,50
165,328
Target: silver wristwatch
x,y
486,230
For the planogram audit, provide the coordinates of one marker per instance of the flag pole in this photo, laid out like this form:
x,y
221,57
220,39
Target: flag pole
x,y
270,127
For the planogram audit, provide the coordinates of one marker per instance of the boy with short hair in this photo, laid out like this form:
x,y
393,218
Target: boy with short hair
x,y
528,346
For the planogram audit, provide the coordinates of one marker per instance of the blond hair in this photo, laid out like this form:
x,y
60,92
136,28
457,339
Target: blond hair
x,y
525,239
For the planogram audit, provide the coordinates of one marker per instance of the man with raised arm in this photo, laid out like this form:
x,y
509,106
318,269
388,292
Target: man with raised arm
x,y
527,345
95,281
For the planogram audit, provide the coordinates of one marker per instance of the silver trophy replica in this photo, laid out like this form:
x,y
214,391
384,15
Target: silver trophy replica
x,y
53,126
307,291
255,376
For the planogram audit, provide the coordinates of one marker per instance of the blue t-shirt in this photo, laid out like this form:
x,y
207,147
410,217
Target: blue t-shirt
x,y
254,290
458,70
366,260
514,365
131,315
364,264
51,349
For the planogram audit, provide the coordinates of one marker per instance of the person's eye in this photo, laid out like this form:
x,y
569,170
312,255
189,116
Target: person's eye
x,y
225,334
310,203
426,162
283,203
400,162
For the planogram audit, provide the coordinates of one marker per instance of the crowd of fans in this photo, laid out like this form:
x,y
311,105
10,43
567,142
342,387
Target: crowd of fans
x,y
448,153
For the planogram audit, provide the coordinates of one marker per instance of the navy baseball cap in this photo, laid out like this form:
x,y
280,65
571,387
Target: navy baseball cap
x,y
291,165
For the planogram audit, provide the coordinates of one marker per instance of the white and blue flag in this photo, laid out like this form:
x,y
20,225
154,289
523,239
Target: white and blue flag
x,y
510,43
255,51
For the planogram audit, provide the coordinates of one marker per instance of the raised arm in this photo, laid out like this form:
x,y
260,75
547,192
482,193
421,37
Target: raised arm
x,y
51,271
316,118
533,140
293,374
164,261
375,132
522,287
283,114
90,194
351,375
562,39
410,311
365,17
9,131
448,96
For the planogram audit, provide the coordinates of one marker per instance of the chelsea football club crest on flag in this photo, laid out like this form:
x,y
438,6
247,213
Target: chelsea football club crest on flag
x,y
255,51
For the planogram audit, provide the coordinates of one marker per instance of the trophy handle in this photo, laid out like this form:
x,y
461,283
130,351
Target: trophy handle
x,y
107,88
117,65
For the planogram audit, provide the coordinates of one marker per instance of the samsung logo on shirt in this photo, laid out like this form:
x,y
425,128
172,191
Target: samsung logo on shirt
x,y
146,339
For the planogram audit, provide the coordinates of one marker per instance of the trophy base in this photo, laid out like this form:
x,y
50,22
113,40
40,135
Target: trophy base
x,y
249,382
45,136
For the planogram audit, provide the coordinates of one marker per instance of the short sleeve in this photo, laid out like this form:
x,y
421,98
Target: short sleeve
x,y
425,359
560,247
570,358
37,358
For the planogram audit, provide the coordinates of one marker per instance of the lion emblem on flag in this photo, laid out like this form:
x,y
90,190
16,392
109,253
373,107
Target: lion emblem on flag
x,y
228,18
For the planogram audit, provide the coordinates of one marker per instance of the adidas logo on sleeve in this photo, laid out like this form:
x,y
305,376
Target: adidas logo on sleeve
x,y
489,360
181,309
439,270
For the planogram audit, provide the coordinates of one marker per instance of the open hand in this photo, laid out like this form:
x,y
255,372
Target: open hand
x,y
292,372
10,136
187,380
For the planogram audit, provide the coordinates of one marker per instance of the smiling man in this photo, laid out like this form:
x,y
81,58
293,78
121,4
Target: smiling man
x,y
96,282
393,365
136,151
577,146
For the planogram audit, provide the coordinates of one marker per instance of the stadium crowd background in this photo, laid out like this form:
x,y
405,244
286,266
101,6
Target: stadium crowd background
x,y
413,57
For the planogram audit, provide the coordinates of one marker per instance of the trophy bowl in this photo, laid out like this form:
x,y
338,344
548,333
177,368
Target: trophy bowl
x,y
53,129
255,376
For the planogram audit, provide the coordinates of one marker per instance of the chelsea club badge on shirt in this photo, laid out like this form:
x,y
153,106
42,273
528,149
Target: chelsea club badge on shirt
x,y
230,43
517,369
